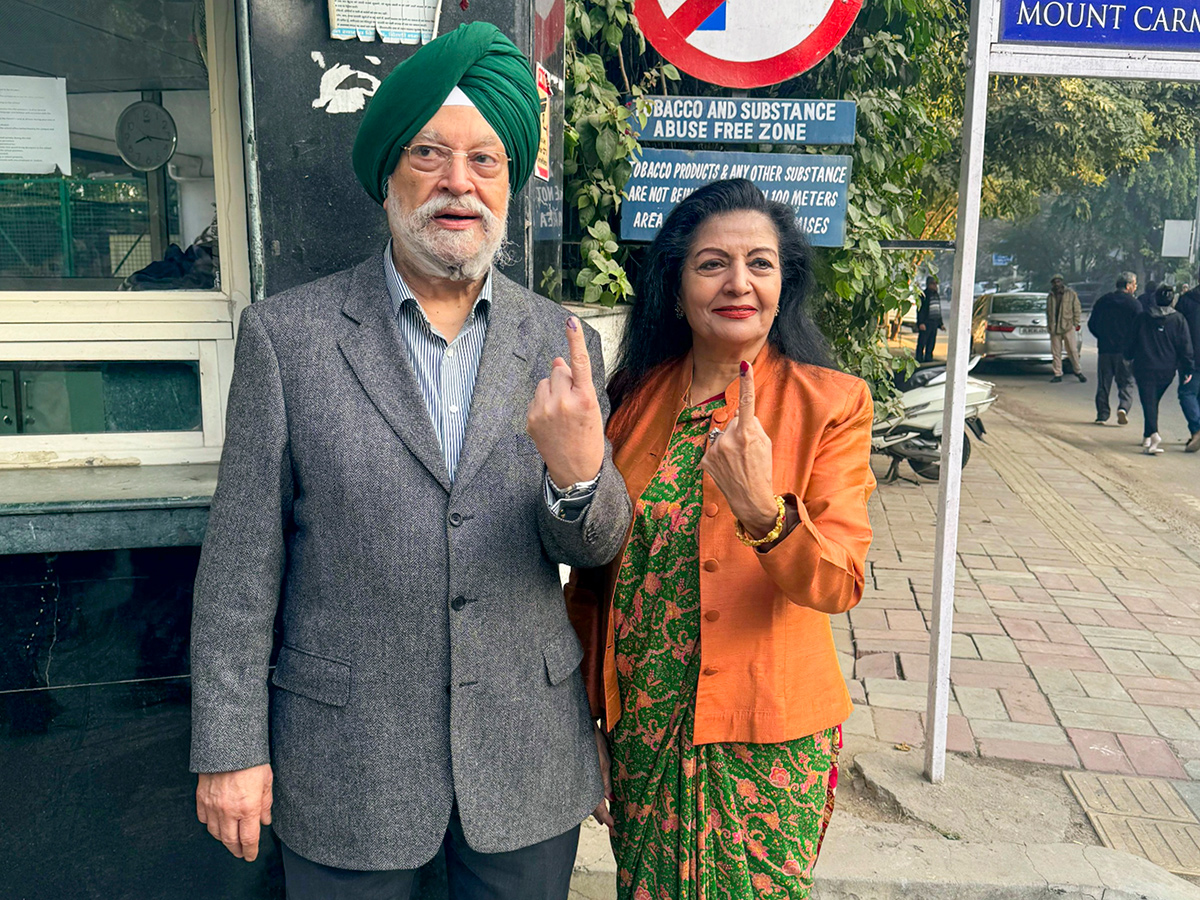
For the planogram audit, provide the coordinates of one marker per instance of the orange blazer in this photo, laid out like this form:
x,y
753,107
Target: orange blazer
x,y
769,671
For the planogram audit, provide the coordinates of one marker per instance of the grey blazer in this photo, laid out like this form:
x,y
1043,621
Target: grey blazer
x,y
426,656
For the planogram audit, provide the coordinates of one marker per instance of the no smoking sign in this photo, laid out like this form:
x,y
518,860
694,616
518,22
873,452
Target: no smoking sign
x,y
745,43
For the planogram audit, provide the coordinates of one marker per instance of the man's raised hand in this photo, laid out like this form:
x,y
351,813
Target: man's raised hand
x,y
234,805
564,415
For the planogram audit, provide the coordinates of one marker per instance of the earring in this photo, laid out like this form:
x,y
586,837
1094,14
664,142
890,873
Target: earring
x,y
678,311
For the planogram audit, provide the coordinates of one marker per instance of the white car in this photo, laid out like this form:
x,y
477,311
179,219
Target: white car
x,y
1012,326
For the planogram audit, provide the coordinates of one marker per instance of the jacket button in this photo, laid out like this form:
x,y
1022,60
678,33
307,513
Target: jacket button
x,y
710,671
712,615
455,519
711,565
710,509
720,416
458,603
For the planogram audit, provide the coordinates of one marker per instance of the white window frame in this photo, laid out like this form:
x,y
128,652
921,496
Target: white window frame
x,y
149,325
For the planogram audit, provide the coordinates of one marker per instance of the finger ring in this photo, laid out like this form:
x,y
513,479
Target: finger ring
x,y
714,434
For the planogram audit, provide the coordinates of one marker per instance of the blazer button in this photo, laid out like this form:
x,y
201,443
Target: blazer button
x,y
710,671
455,519
712,615
458,603
710,509
711,565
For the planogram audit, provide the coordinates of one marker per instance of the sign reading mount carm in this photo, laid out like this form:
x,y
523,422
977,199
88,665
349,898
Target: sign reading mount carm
x,y
745,43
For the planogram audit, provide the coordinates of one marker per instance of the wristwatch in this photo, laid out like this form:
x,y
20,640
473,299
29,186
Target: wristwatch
x,y
571,499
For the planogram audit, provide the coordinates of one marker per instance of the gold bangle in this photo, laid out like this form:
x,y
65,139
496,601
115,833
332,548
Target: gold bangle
x,y
740,531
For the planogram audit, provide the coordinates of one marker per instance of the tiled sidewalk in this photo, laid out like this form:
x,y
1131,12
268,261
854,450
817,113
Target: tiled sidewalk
x,y
1077,619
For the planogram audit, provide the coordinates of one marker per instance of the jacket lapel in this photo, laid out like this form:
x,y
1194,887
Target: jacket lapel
x,y
503,367
376,354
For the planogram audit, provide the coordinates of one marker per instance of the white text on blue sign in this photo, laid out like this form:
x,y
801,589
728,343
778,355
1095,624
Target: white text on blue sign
x,y
1173,25
717,120
814,186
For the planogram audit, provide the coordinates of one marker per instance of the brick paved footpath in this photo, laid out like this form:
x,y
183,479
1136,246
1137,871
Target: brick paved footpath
x,y
1077,617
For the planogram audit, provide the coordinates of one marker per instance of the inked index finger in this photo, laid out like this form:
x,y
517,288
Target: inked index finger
x,y
746,391
581,361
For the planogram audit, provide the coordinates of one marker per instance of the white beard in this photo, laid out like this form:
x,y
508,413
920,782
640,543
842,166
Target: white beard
x,y
436,252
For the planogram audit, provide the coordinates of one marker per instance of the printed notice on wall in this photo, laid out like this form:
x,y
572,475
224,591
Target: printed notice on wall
x,y
34,136
395,21
542,169
816,186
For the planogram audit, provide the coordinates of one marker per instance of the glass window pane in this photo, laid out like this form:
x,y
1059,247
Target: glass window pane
x,y
99,397
136,210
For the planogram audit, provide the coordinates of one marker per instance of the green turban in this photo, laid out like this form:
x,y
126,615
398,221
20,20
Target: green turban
x,y
488,68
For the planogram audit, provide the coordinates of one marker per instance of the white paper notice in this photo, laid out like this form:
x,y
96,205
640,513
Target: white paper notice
x,y
34,134
396,21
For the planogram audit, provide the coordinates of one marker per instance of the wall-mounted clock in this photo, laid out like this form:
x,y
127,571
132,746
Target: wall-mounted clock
x,y
146,136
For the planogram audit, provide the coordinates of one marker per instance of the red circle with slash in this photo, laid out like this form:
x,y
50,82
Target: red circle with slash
x,y
669,36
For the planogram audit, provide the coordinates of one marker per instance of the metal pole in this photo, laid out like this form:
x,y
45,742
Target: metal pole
x,y
949,490
250,150
1195,248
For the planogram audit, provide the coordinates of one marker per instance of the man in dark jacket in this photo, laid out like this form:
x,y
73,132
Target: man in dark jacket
x,y
1188,306
929,319
1111,321
1161,346
1146,300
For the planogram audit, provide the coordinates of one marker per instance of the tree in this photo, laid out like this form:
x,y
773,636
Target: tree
x,y
1096,230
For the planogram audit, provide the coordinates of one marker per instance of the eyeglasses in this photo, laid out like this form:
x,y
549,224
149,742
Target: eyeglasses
x,y
435,159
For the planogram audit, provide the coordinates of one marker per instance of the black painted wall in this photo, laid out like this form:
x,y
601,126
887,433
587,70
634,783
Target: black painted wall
x,y
96,800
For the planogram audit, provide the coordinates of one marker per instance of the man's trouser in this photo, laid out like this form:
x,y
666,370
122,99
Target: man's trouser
x,y
1113,366
540,872
1189,402
926,341
1056,348
1151,387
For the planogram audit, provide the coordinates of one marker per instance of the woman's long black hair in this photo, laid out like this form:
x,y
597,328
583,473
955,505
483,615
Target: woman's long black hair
x,y
654,334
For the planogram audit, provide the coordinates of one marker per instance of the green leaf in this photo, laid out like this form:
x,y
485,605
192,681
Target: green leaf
x,y
607,146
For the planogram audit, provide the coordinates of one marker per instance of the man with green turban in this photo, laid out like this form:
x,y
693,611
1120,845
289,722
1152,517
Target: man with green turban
x,y
413,447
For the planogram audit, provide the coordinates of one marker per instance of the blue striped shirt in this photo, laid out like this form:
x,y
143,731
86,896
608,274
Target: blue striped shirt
x,y
445,370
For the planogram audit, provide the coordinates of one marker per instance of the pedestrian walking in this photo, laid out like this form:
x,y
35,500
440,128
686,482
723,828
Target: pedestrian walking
x,y
1111,322
1063,315
707,641
929,319
409,458
1146,298
1160,347
1188,306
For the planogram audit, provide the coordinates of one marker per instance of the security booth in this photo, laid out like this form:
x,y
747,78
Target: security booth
x,y
163,163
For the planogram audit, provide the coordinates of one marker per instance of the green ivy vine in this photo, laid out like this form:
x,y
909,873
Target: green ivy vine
x,y
600,145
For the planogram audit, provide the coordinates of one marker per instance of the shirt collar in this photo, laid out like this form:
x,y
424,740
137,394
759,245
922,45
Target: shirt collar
x,y
401,293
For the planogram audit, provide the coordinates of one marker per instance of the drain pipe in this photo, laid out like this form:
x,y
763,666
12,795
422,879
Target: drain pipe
x,y
250,151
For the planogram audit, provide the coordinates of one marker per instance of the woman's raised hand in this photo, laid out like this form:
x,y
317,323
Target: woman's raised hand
x,y
739,461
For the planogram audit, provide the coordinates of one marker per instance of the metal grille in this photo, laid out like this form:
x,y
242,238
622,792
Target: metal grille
x,y
74,228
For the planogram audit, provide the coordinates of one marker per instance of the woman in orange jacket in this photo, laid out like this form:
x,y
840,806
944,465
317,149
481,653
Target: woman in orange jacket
x,y
709,654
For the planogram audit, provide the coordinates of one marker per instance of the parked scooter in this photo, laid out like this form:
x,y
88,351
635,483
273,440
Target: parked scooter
x,y
915,435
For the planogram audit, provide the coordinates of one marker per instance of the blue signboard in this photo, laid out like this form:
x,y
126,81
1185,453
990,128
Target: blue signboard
x,y
1150,25
703,120
815,186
